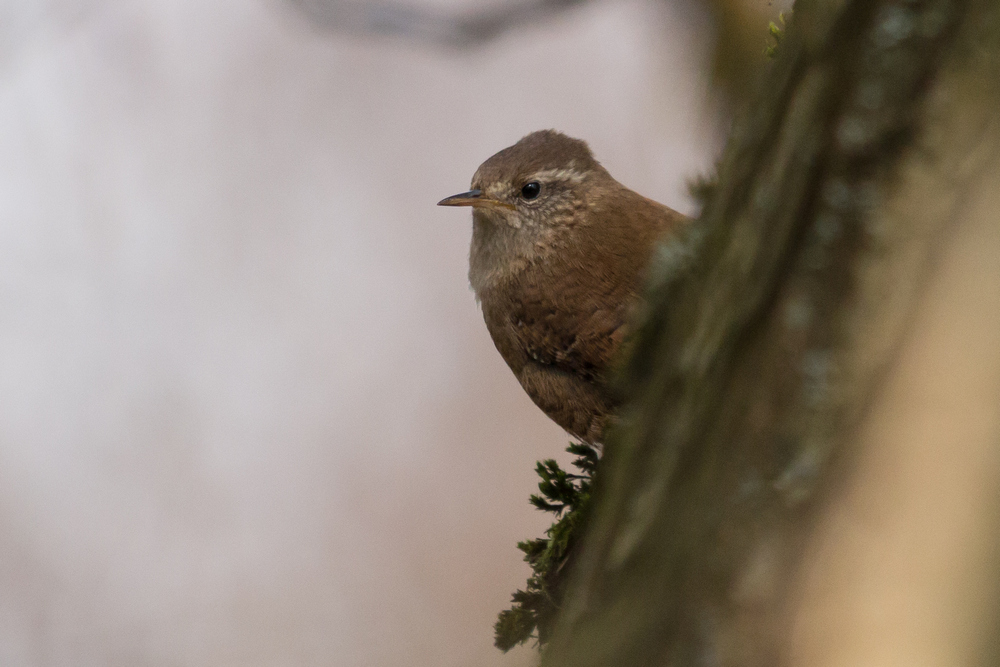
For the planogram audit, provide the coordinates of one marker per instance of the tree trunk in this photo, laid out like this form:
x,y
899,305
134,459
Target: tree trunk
x,y
810,467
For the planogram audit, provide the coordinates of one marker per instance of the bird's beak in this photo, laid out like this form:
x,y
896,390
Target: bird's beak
x,y
473,198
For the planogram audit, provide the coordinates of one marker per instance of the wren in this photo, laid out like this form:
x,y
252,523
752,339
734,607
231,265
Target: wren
x,y
559,254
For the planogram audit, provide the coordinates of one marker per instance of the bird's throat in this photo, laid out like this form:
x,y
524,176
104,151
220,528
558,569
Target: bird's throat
x,y
500,251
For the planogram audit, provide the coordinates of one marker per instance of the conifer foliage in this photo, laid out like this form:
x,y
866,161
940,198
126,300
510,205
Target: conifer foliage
x,y
566,495
776,33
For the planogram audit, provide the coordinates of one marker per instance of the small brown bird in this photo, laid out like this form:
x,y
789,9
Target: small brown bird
x,y
559,252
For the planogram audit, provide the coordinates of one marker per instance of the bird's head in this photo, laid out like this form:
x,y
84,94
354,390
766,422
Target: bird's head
x,y
539,183
530,201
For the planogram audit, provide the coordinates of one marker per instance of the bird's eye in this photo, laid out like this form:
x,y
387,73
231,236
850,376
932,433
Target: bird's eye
x,y
531,190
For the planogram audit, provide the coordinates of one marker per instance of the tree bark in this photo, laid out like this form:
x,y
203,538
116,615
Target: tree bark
x,y
809,472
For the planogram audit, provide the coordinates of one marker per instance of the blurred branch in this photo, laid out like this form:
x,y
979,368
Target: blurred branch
x,y
737,57
462,29
738,54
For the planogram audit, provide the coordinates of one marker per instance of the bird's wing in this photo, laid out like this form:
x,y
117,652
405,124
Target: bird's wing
x,y
578,338
569,321
580,407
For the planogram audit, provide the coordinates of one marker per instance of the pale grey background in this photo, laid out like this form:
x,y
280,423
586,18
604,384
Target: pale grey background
x,y
249,413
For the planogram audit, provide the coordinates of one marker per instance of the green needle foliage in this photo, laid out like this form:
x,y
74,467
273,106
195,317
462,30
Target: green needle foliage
x,y
776,33
566,495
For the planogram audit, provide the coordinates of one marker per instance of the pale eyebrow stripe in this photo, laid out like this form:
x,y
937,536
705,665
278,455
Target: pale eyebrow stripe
x,y
568,175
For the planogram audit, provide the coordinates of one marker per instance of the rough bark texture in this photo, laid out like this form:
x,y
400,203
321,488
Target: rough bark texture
x,y
818,378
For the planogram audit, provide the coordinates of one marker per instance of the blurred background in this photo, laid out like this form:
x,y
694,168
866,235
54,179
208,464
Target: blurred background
x,y
249,412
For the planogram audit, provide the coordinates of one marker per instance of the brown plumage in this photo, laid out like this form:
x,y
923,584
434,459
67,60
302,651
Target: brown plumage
x,y
559,251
